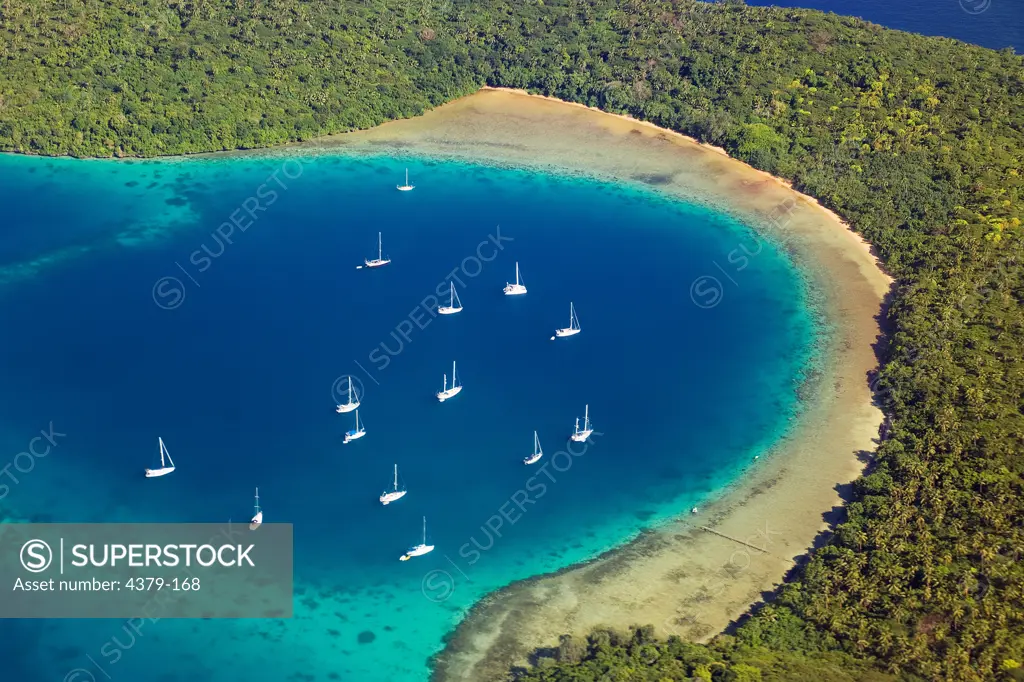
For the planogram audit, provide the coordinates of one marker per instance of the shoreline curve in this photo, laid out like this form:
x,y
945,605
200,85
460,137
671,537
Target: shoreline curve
x,y
696,575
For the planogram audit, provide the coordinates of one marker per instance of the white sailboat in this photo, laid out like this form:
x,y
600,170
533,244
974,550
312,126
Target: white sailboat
x,y
389,496
517,288
380,260
449,392
353,399
420,549
165,457
537,452
257,518
579,435
455,306
355,433
574,324
406,187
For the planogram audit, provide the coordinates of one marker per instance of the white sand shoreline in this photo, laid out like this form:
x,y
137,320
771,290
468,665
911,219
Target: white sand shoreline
x,y
682,579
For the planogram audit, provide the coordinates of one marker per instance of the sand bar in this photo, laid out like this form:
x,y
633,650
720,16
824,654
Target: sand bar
x,y
694,576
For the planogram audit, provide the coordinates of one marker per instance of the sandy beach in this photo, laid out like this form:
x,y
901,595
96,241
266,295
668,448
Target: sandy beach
x,y
696,575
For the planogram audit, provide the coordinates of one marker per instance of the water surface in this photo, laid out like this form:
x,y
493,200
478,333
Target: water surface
x,y
134,319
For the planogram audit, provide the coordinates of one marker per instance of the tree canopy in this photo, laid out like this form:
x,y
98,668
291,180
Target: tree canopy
x,y
917,141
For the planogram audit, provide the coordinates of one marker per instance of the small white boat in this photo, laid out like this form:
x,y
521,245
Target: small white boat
x,y
257,518
165,457
574,324
389,496
420,549
380,260
581,435
406,187
537,452
449,392
355,433
517,288
455,306
353,399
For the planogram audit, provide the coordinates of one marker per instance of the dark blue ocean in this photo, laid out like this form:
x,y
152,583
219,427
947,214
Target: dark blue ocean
x,y
990,23
236,361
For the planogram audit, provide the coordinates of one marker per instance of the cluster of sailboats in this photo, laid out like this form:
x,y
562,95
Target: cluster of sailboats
x,y
518,288
395,492
451,390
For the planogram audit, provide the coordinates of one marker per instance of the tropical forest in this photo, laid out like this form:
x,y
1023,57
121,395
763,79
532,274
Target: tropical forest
x,y
917,142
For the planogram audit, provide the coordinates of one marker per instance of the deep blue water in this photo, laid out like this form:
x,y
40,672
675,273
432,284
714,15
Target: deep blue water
x,y
238,379
989,23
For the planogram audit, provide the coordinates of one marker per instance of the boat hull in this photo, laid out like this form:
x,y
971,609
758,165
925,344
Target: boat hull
x,y
582,436
405,188
388,498
347,407
448,310
353,435
514,290
376,263
417,551
532,459
256,522
153,473
450,393
566,332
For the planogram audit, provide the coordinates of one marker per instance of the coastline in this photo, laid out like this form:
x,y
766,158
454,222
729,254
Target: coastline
x,y
682,579
696,575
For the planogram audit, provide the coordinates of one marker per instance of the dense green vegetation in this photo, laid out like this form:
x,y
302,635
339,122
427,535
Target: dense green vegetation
x,y
919,142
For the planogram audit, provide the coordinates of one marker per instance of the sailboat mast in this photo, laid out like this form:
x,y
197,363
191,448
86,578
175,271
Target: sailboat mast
x,y
517,273
586,418
396,478
162,465
257,500
424,530
453,374
380,246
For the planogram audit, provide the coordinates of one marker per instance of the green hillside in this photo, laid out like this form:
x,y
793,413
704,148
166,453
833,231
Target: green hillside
x,y
918,142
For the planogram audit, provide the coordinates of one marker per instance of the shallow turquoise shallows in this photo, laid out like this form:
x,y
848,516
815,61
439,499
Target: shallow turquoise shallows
x,y
126,317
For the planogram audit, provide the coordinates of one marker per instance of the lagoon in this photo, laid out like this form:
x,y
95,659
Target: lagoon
x,y
136,313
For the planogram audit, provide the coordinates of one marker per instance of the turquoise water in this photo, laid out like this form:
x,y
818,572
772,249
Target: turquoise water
x,y
236,361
